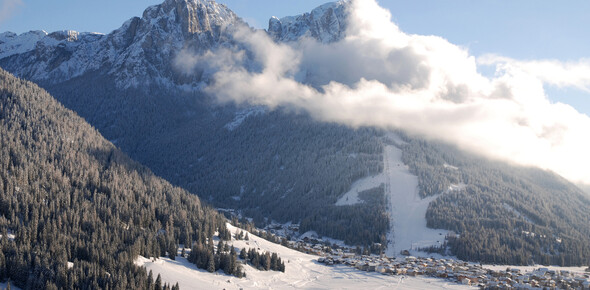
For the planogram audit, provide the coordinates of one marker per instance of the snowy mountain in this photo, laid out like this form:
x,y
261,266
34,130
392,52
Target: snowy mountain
x,y
284,166
326,23
139,53
142,51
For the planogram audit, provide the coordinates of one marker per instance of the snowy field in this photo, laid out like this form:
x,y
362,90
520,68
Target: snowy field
x,y
406,209
302,272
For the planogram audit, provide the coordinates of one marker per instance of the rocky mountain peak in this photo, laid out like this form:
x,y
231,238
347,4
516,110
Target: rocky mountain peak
x,y
136,54
192,16
326,23
142,51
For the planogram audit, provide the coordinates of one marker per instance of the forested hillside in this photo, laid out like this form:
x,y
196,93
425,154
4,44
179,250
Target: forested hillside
x,y
270,165
501,213
278,165
74,210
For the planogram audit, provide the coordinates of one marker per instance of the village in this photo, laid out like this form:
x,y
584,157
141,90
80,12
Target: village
x,y
457,271
461,272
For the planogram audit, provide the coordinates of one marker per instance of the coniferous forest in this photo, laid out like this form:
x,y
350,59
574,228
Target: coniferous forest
x,y
277,165
505,214
74,210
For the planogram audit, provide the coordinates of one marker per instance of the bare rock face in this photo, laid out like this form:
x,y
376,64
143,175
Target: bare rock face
x,y
327,23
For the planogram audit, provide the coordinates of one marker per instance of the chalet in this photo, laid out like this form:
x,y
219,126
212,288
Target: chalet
x,y
372,267
390,270
380,269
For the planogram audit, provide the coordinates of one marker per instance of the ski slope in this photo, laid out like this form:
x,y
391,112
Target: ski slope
x,y
302,272
407,211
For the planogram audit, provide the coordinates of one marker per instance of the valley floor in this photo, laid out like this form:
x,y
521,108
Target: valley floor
x,y
302,271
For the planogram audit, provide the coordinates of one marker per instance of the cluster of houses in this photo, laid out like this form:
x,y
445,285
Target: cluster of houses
x,y
451,269
462,272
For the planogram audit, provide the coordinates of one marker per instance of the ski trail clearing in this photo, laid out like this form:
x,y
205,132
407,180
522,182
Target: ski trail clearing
x,y
407,211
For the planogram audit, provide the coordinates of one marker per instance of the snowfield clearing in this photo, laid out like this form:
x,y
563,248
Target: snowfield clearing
x,y
407,210
302,272
352,196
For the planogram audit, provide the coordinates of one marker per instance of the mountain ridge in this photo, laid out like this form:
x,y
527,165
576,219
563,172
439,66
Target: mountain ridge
x,y
326,23
135,52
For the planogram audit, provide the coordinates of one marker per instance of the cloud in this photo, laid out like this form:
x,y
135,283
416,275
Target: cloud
x,y
7,8
553,72
380,76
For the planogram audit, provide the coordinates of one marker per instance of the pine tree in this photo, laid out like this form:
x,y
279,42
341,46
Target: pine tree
x,y
266,261
172,250
150,279
244,255
211,263
220,247
158,283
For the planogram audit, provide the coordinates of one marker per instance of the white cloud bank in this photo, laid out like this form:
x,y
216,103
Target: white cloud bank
x,y
380,76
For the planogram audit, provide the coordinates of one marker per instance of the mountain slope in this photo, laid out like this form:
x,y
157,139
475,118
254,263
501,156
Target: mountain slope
x,y
502,214
183,136
79,209
282,165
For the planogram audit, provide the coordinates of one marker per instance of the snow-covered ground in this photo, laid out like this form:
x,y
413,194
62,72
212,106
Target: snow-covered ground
x,y
302,271
406,209
11,43
352,196
315,235
242,115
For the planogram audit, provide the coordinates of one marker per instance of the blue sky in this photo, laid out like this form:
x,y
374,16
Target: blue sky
x,y
524,29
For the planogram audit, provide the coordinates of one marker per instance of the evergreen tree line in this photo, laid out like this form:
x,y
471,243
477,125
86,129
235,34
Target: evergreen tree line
x,y
505,214
262,261
361,224
75,212
225,258
157,284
